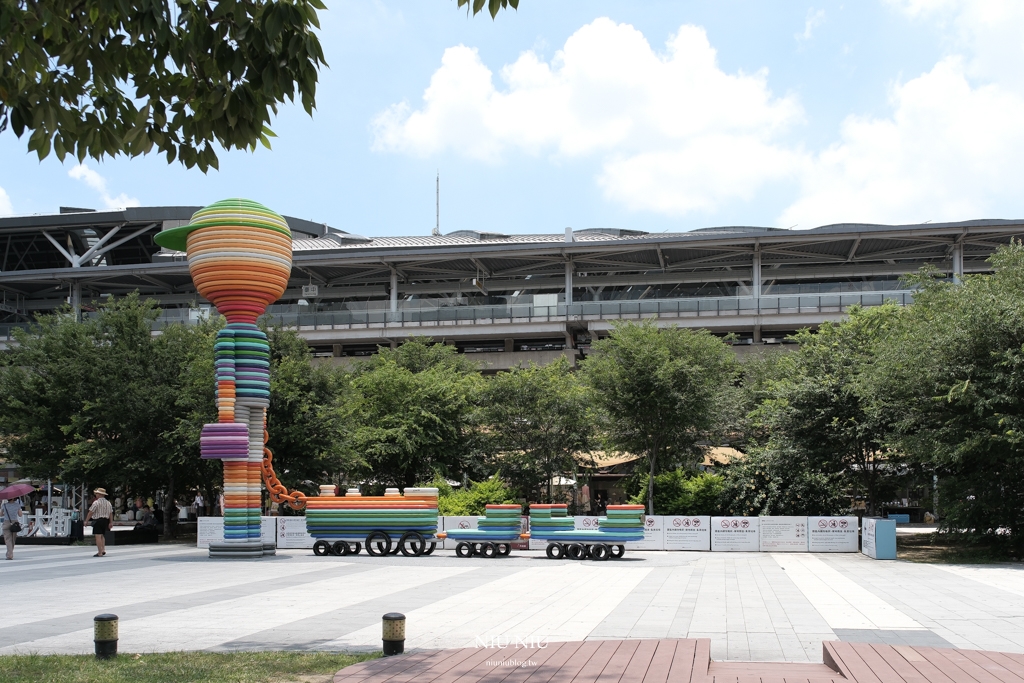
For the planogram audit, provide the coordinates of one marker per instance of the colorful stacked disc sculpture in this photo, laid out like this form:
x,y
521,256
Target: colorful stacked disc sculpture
x,y
402,523
240,257
623,523
500,525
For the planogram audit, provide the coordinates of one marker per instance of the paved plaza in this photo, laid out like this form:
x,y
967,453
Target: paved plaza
x,y
753,606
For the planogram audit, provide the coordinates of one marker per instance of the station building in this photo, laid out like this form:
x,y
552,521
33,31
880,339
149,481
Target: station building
x,y
511,299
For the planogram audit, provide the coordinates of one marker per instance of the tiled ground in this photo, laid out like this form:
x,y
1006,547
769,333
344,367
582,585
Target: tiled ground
x,y
753,606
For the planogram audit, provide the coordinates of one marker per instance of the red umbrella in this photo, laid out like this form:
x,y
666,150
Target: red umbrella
x,y
16,491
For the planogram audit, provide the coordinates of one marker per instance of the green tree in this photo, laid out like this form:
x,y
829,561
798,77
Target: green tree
x,y
493,6
538,419
772,481
682,492
410,424
98,401
100,78
661,390
472,499
310,418
952,377
820,410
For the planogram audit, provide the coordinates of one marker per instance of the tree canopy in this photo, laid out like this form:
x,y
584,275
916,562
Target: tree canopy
x,y
660,391
99,78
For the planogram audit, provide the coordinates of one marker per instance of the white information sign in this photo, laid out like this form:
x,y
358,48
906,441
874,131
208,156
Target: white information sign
x,y
448,523
291,533
832,534
654,535
586,523
782,534
734,534
687,533
211,530
879,540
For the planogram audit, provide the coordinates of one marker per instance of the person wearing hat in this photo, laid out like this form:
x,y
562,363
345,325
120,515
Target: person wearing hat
x,y
100,512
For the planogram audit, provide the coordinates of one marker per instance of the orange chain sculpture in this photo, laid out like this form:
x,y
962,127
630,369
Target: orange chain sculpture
x,y
240,258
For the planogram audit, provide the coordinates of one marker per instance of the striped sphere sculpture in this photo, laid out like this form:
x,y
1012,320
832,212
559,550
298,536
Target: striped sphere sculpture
x,y
240,257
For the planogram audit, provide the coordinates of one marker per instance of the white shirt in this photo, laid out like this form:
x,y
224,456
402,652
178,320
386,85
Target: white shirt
x,y
101,509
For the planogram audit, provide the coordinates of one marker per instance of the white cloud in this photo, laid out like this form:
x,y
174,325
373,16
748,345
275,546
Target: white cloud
x,y
672,132
6,208
815,18
989,34
949,151
98,183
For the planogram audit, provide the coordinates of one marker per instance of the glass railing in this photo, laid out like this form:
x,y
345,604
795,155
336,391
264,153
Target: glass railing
x,y
411,315
597,310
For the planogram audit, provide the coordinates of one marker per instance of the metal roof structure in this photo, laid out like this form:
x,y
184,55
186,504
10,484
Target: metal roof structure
x,y
381,289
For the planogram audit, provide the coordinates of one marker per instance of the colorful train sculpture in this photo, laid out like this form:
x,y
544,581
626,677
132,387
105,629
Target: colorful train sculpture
x,y
396,523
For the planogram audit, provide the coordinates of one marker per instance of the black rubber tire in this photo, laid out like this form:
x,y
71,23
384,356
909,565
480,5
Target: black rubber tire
x,y
464,549
411,544
340,548
321,548
618,551
489,550
430,548
504,549
575,551
354,548
555,551
382,541
600,552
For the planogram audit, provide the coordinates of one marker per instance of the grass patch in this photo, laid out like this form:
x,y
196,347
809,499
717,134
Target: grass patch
x,y
179,667
951,549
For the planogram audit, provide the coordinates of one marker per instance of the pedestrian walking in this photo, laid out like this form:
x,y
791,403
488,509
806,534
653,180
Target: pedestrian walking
x,y
10,511
200,507
100,512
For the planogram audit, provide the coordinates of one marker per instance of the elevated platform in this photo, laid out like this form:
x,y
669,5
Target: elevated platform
x,y
685,661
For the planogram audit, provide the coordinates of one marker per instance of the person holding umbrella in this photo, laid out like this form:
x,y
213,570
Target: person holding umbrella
x,y
10,511
100,512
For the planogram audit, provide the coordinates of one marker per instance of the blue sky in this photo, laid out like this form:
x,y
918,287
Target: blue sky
x,y
645,115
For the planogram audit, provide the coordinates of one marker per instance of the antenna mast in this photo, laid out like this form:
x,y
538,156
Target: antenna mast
x,y
437,207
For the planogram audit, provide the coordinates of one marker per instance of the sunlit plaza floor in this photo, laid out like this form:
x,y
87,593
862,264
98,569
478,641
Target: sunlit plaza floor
x,y
753,606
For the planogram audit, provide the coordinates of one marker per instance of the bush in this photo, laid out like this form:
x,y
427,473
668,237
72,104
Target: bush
x,y
472,499
682,493
776,482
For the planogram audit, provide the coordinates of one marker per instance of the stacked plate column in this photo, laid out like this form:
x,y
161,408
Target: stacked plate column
x,y
239,254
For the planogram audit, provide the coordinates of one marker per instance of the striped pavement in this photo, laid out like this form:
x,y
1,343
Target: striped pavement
x,y
753,606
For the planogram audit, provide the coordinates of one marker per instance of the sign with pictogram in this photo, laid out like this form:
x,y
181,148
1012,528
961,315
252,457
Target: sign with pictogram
x,y
654,535
735,534
832,534
687,532
524,526
211,529
783,534
455,523
291,533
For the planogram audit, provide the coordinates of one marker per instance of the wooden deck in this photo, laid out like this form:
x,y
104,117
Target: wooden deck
x,y
685,661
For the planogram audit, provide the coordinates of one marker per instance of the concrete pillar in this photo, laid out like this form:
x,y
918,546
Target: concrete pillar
x,y
510,345
568,283
755,272
394,290
336,350
76,300
958,262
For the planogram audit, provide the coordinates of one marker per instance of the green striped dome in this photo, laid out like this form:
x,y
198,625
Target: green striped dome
x,y
240,212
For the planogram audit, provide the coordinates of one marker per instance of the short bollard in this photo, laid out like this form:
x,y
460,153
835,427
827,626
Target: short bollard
x,y
394,633
104,629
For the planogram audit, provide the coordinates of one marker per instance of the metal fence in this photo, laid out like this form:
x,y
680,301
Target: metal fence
x,y
410,315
